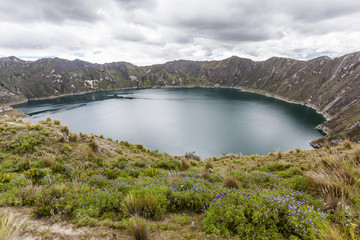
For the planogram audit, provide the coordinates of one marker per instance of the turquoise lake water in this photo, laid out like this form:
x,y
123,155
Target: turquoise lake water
x,y
179,120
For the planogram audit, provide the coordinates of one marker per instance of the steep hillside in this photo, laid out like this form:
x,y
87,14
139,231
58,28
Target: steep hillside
x,y
331,86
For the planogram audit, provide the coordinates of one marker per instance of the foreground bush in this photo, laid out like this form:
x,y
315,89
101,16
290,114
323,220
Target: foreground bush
x,y
265,214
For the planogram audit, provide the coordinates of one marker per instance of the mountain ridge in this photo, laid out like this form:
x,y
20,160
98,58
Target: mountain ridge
x,y
331,86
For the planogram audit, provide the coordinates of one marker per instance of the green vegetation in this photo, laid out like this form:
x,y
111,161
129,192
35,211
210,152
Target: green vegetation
x,y
129,190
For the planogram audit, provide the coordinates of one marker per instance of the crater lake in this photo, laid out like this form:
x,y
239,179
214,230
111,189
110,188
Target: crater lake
x,y
209,121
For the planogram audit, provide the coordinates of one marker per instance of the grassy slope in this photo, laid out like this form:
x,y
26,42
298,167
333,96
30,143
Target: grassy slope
x,y
86,180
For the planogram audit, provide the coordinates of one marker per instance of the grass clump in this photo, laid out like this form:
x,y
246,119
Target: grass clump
x,y
48,160
185,165
145,204
139,228
230,182
278,154
11,226
209,164
334,182
57,122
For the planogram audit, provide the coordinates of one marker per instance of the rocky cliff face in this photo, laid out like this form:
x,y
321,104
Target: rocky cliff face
x,y
332,86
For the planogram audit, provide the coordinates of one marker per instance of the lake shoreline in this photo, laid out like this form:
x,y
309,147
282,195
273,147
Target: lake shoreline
x,y
256,114
322,129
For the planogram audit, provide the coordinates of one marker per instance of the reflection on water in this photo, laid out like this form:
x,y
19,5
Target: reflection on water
x,y
207,121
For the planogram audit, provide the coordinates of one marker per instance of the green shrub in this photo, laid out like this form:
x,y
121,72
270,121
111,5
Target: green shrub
x,y
34,174
121,163
56,122
111,173
277,166
134,149
257,179
65,169
93,145
265,214
5,178
22,166
140,164
46,202
98,161
192,194
182,219
152,172
167,164
125,143
134,173
25,142
119,151
98,180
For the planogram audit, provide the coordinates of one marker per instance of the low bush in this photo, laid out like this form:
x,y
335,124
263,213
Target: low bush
x,y
265,214
34,174
192,155
167,164
24,142
152,172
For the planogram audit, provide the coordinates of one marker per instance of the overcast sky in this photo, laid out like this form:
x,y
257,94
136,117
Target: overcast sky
x,y
146,32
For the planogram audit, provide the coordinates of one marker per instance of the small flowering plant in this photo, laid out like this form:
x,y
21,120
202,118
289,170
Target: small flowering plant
x,y
5,178
265,214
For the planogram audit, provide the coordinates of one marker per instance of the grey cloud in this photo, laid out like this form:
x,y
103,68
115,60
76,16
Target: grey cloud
x,y
311,11
50,10
135,4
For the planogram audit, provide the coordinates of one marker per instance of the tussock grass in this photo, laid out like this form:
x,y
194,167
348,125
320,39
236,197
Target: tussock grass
x,y
139,228
278,154
357,156
174,176
48,160
209,164
347,144
73,137
10,226
185,165
230,182
146,205
131,205
334,182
